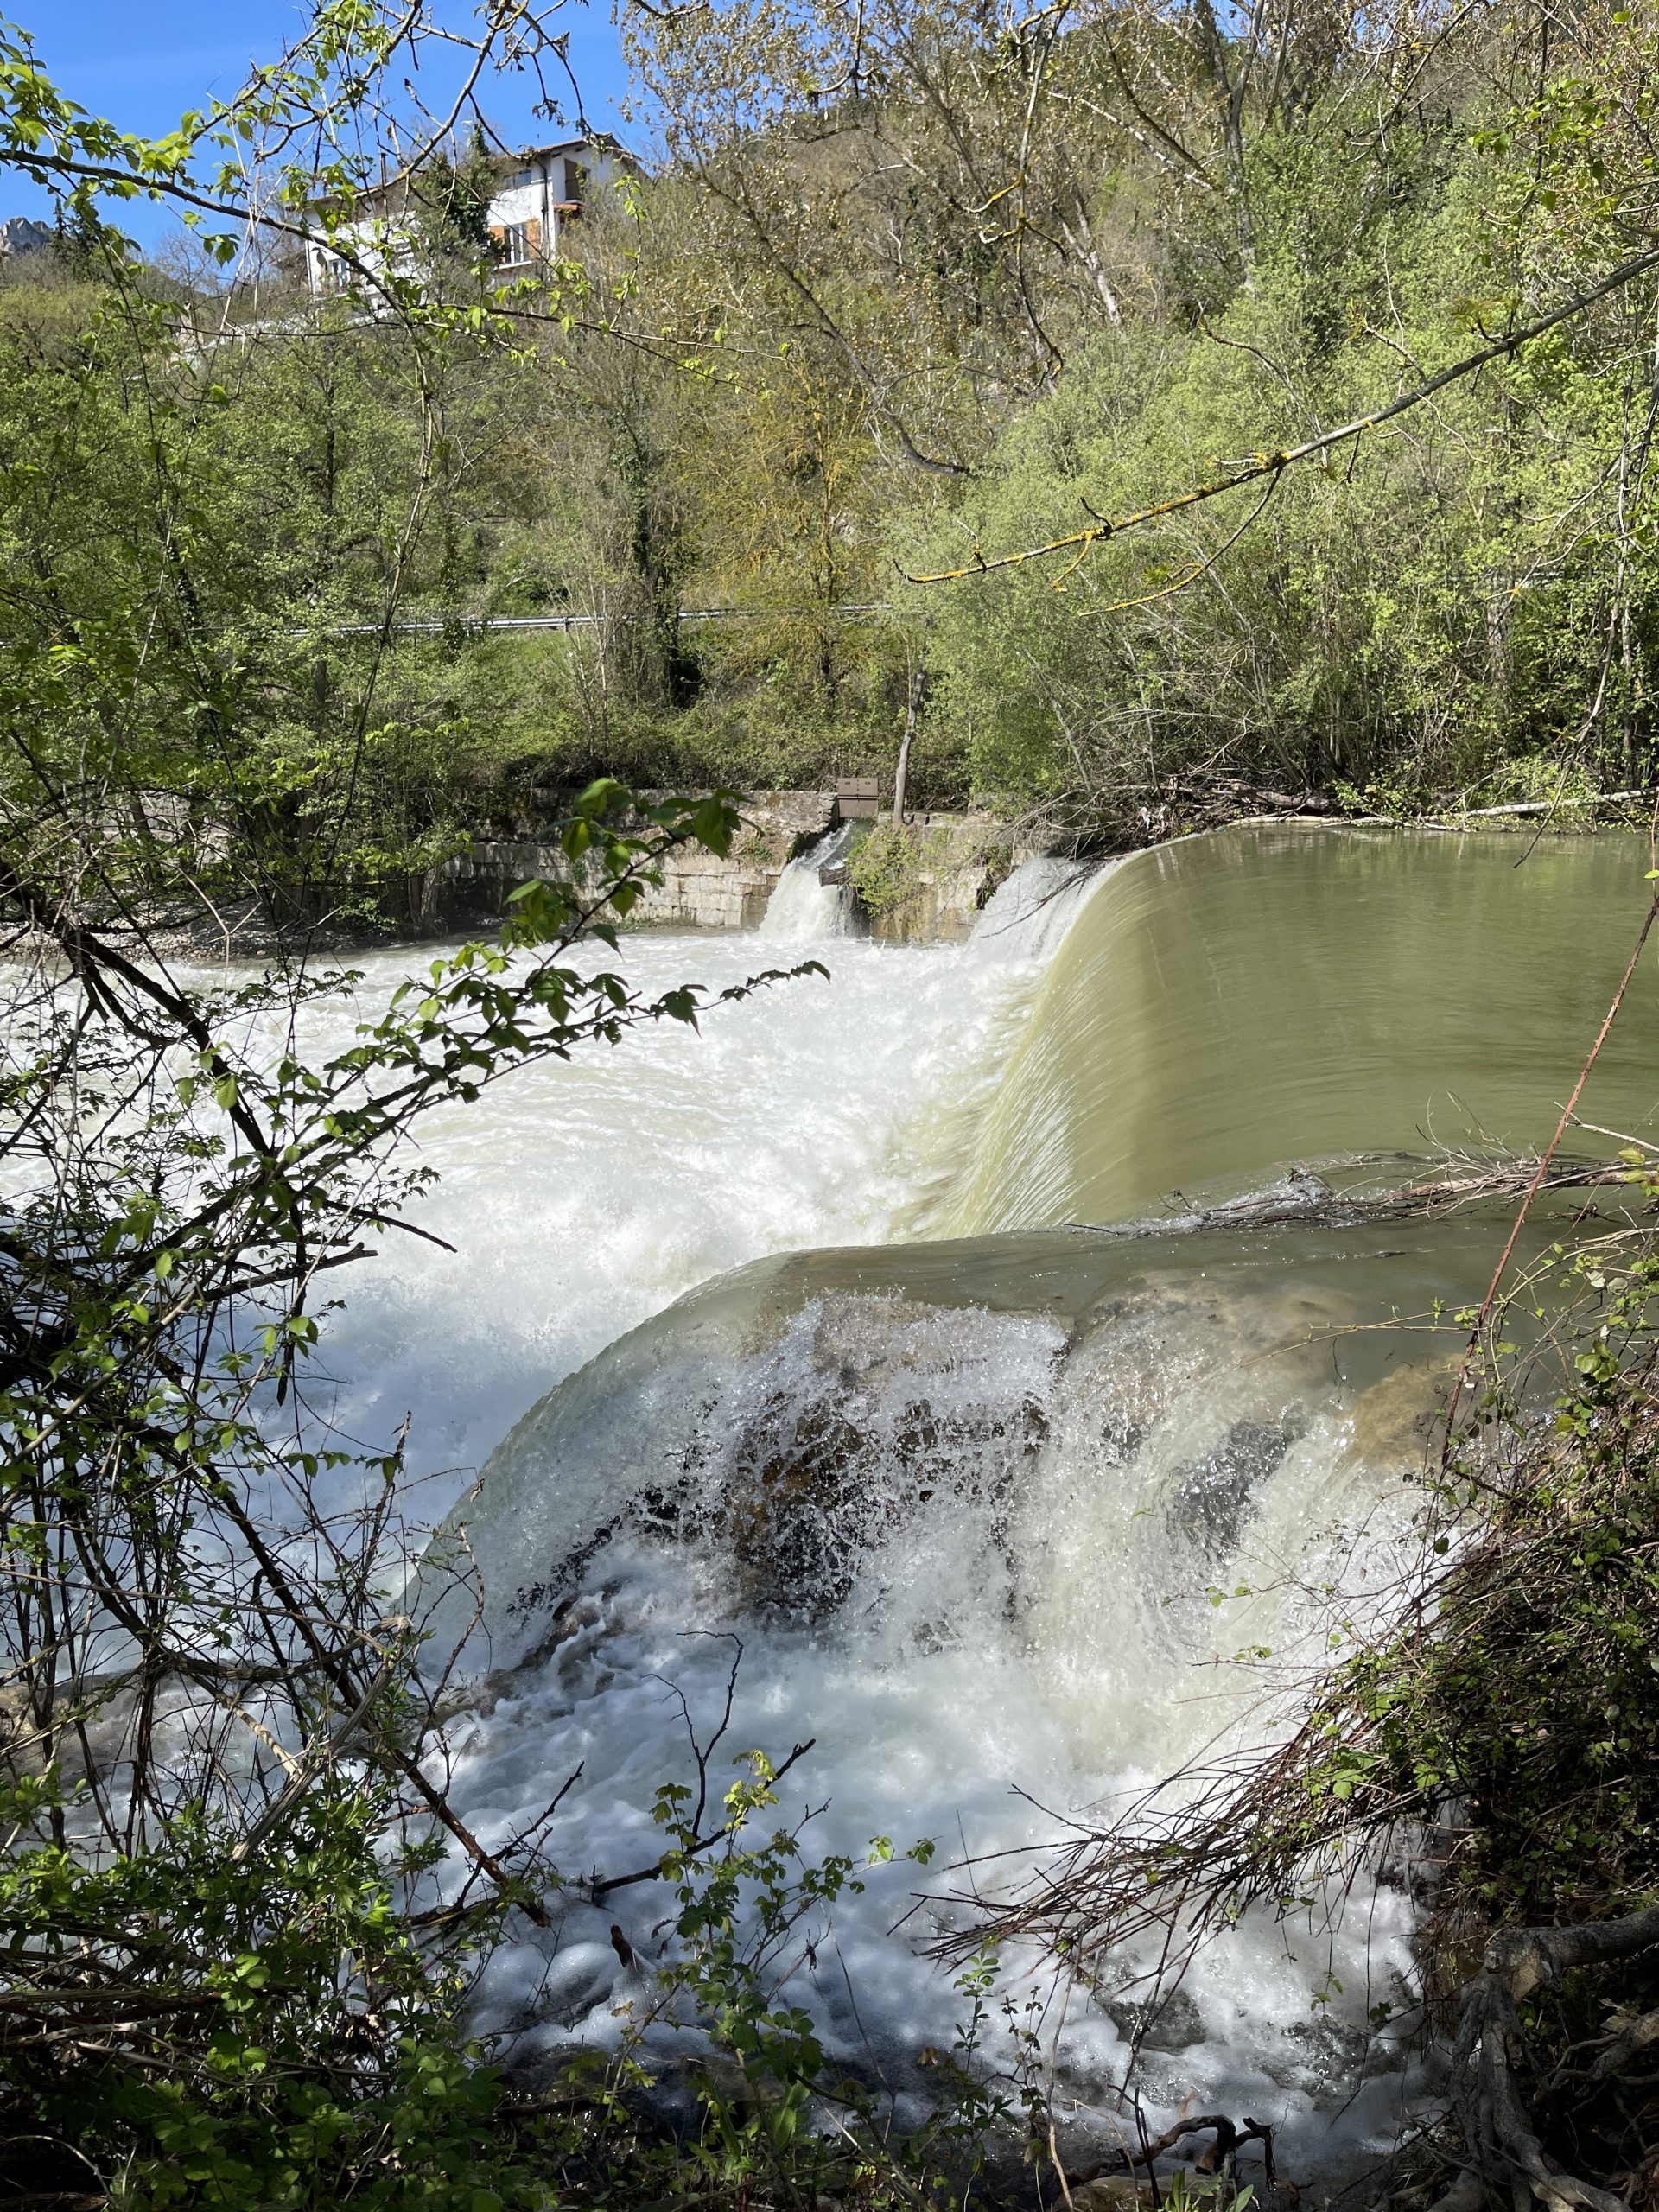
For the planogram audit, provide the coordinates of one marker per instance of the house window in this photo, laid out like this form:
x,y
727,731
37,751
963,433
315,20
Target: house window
x,y
514,244
575,182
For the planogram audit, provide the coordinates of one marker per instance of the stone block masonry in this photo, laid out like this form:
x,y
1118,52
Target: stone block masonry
x,y
699,889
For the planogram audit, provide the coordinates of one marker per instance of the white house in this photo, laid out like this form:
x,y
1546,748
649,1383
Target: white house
x,y
537,196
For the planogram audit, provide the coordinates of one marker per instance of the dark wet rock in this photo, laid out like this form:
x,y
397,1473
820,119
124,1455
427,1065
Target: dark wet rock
x,y
1212,1501
1169,2023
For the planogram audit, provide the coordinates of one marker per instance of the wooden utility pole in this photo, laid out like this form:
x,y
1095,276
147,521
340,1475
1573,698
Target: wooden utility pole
x,y
912,707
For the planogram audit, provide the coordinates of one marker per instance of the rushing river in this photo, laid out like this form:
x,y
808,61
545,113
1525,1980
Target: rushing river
x,y
994,1502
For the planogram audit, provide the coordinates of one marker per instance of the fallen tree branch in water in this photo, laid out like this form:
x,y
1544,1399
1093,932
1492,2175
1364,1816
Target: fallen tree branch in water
x,y
1222,2156
1307,1199
1549,806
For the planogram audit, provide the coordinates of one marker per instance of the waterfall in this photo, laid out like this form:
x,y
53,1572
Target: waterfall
x,y
1000,1518
582,1198
1230,1002
1030,912
991,1517
802,908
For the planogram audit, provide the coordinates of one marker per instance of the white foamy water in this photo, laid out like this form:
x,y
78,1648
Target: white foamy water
x,y
993,1523
582,1198
966,1506
802,907
1029,914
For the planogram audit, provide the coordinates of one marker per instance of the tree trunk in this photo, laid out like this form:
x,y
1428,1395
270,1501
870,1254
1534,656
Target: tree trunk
x,y
912,707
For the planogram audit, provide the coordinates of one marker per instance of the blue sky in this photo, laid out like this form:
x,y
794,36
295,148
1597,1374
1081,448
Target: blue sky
x,y
142,62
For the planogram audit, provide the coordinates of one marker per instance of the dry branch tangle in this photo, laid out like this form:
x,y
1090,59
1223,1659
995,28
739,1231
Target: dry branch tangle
x,y
1500,2145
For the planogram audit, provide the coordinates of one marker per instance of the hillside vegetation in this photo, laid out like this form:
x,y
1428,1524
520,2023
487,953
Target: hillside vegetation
x,y
884,310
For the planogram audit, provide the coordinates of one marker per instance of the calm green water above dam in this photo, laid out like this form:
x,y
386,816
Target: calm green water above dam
x,y
1257,996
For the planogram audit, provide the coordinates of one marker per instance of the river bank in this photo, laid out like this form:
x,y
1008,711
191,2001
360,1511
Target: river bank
x,y
951,865
928,881
921,884
956,862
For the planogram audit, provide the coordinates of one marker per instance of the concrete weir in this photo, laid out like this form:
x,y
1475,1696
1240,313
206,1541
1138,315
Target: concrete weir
x,y
699,890
960,859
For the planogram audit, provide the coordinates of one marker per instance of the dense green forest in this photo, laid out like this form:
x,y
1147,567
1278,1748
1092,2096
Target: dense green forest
x,y
850,330
1154,380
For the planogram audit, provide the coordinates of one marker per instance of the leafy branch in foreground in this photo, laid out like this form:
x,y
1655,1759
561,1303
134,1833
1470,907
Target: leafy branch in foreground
x,y
217,1727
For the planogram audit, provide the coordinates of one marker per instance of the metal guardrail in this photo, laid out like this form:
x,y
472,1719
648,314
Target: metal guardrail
x,y
434,626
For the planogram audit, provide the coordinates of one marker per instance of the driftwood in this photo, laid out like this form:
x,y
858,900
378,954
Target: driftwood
x,y
1306,1198
1221,2157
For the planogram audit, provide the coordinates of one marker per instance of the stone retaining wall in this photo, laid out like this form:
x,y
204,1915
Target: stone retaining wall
x,y
699,890
960,860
